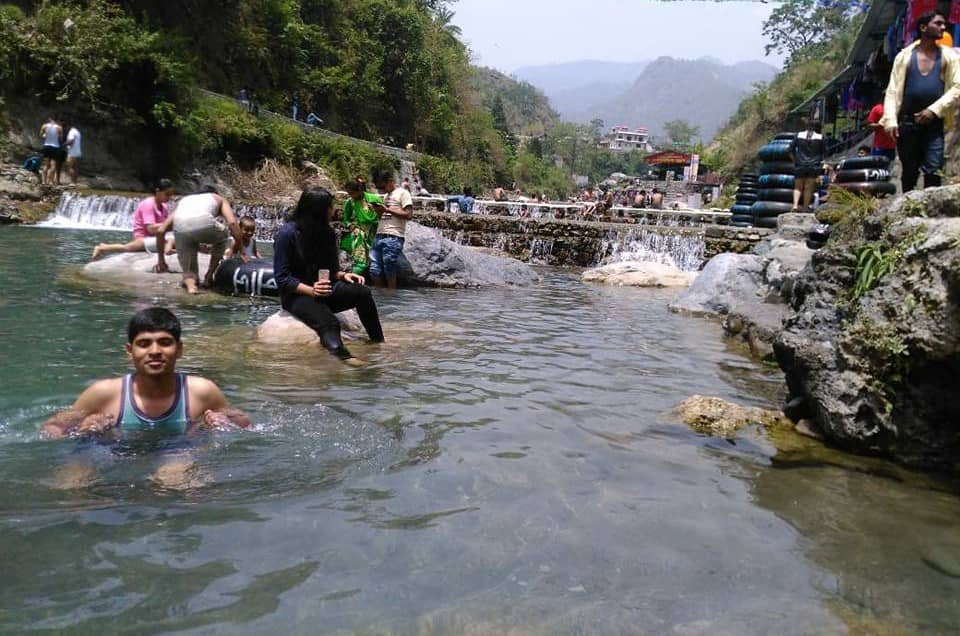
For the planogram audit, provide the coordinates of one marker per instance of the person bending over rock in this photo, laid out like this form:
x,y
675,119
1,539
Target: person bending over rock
x,y
155,401
204,217
147,220
312,287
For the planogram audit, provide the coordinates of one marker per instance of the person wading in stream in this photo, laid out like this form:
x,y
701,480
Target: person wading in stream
x,y
152,403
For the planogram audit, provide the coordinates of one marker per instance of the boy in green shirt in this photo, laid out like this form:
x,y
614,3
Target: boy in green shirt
x,y
361,214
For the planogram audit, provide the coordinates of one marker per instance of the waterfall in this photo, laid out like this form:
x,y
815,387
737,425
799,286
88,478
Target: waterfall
x,y
685,252
110,212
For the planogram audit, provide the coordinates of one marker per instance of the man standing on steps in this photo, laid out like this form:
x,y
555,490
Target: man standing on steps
x,y
923,89
387,246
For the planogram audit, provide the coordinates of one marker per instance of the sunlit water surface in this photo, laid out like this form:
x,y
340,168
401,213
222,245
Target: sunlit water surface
x,y
503,465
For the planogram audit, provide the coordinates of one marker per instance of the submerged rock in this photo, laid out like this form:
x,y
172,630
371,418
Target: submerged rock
x,y
721,418
873,349
639,274
433,261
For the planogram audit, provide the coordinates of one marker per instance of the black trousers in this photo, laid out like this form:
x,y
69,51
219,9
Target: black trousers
x,y
318,314
921,150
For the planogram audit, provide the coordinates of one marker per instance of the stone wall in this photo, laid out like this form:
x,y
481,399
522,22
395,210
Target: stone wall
x,y
582,243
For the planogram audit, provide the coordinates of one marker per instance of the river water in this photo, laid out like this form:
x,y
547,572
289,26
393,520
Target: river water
x,y
502,466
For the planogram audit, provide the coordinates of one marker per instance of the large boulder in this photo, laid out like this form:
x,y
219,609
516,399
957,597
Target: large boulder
x,y
639,274
283,329
135,269
725,281
433,261
872,352
749,291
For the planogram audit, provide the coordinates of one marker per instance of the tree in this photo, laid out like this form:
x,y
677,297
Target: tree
x,y
597,125
802,28
680,132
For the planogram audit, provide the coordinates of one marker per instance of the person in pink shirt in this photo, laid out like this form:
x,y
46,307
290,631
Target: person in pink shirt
x,y
150,215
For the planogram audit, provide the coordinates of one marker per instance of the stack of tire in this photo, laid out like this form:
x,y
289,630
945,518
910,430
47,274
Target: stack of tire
x,y
866,175
741,211
775,183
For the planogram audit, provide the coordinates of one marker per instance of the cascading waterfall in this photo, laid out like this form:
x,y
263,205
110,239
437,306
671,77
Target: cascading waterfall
x,y
644,240
75,210
686,252
116,213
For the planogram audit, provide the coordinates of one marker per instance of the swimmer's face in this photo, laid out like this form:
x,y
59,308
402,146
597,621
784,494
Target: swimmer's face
x,y
163,196
154,353
247,230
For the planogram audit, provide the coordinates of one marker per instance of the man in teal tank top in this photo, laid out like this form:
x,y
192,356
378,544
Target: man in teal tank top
x,y
152,401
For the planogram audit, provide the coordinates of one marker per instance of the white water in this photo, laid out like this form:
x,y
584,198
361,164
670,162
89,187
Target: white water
x,y
110,212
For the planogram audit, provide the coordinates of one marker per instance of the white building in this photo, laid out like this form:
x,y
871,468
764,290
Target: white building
x,y
622,139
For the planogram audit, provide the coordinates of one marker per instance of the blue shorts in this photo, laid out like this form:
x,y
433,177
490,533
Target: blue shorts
x,y
384,255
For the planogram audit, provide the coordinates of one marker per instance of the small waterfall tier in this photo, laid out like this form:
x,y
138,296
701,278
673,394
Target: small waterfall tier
x,y
110,212
668,238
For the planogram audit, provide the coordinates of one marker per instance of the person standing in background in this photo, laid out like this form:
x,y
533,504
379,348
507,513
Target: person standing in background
x,y
924,87
50,132
74,152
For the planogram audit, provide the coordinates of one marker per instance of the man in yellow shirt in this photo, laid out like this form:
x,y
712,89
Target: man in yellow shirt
x,y
924,86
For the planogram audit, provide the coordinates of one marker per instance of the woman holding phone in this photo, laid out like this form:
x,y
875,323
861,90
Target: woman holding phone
x,y
307,271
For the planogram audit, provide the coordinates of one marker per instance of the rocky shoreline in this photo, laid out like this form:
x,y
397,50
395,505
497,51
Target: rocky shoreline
x,y
866,329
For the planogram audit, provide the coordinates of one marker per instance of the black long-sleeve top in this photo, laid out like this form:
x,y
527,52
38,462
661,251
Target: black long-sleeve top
x,y
292,267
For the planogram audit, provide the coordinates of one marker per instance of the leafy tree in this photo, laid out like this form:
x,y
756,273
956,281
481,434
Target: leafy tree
x,y
800,29
680,132
597,125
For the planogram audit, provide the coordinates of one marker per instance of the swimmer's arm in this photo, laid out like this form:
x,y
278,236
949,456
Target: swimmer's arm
x,y
213,406
87,415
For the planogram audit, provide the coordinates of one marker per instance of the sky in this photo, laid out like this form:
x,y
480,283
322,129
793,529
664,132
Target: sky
x,y
509,34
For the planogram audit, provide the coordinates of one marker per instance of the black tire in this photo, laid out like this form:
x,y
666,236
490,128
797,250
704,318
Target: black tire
x,y
748,175
789,136
746,199
777,181
741,220
863,174
784,195
776,167
859,163
876,188
748,183
236,278
770,208
767,221
752,189
774,152
742,209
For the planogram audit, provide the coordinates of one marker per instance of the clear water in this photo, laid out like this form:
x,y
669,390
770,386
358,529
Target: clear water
x,y
503,466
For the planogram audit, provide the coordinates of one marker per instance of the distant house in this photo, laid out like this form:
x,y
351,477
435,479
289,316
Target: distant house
x,y
623,139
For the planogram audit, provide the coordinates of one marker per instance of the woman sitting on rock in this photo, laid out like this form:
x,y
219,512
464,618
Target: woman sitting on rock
x,y
307,271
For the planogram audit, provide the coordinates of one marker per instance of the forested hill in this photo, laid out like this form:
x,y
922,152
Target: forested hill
x,y
525,108
392,71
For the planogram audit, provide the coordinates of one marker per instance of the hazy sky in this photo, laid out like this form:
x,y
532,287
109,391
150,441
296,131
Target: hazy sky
x,y
508,34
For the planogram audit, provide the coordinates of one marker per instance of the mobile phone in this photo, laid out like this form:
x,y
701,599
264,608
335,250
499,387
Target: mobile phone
x,y
323,274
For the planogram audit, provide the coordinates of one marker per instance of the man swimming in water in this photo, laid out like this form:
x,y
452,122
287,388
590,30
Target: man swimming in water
x,y
155,399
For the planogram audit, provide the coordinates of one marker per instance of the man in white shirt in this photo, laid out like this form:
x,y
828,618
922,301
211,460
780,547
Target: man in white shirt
x,y
74,152
387,248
